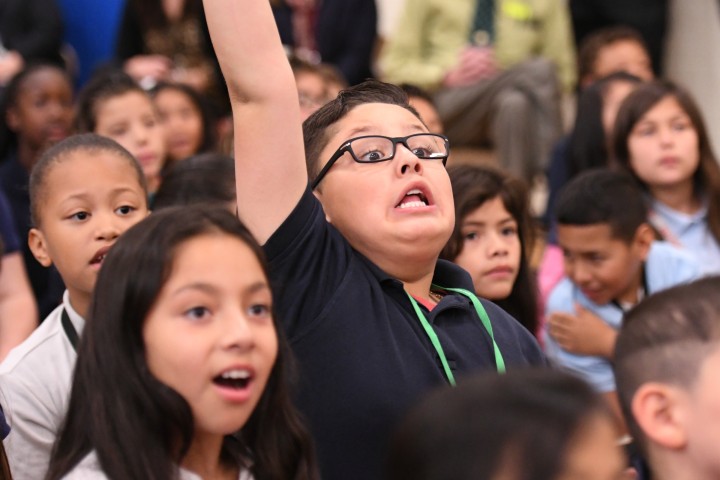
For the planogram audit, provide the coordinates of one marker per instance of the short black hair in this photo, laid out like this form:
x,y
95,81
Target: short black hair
x,y
602,196
316,126
88,142
590,47
206,178
104,84
489,421
666,339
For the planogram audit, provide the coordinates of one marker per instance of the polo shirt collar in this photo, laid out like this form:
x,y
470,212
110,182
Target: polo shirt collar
x,y
679,221
447,274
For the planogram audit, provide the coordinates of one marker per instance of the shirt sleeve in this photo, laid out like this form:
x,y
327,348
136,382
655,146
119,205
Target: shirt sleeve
x,y
307,259
597,371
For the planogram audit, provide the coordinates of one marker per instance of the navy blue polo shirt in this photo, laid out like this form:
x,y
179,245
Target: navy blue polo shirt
x,y
363,356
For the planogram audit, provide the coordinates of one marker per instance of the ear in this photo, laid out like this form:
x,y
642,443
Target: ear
x,y
38,247
644,236
659,410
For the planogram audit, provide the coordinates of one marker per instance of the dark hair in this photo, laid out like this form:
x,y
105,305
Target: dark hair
x,y
666,339
4,465
588,142
472,186
150,13
139,427
86,142
8,101
603,197
208,122
524,420
417,92
707,176
316,126
206,178
105,84
591,45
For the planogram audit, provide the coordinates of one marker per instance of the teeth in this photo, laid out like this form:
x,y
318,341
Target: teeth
x,y
235,374
412,205
414,192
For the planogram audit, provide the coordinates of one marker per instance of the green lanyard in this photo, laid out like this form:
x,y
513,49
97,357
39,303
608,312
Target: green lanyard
x,y
499,362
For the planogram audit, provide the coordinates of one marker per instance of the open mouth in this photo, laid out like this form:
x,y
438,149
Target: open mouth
x,y
235,379
414,198
99,256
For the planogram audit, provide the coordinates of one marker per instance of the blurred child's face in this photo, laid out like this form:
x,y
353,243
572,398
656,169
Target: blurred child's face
x,y
612,98
491,249
131,120
43,111
593,452
312,92
603,267
663,146
363,200
210,334
80,220
428,113
182,123
623,56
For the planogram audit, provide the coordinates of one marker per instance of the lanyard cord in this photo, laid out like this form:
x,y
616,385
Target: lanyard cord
x,y
499,361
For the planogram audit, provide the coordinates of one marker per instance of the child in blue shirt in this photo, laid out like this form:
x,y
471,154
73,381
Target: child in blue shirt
x,y
611,263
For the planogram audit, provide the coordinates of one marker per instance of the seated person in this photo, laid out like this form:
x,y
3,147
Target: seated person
x,y
667,362
495,71
611,263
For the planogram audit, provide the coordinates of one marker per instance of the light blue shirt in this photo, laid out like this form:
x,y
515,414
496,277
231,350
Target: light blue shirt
x,y
665,266
691,231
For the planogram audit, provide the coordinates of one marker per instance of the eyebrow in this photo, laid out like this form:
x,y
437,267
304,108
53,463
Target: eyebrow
x,y
114,192
509,219
370,129
212,290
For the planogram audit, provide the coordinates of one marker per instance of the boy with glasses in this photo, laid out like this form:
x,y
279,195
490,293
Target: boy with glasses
x,y
375,320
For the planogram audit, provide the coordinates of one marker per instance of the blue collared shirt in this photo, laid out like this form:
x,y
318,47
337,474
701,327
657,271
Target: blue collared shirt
x,y
691,231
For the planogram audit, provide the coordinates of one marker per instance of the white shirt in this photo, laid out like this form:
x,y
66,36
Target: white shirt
x,y
89,469
35,381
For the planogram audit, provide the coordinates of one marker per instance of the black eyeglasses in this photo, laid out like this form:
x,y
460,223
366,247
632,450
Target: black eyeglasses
x,y
378,148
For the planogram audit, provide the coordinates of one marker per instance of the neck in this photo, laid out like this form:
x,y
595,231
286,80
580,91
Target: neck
x,y
679,197
79,302
203,457
27,155
420,288
675,465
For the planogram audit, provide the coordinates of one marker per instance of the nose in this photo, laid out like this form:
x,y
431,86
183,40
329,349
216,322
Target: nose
x,y
406,161
237,333
141,135
578,272
666,136
108,226
496,246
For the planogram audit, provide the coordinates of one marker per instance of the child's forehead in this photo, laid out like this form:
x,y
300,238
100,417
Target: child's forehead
x,y
594,236
97,162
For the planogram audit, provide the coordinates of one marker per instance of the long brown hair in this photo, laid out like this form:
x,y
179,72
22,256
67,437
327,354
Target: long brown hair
x,y
474,185
706,179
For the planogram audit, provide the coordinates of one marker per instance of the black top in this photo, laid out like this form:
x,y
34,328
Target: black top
x,y
363,356
33,28
46,283
345,33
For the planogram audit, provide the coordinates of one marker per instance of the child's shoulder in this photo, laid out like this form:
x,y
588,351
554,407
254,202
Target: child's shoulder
x,y
668,265
38,351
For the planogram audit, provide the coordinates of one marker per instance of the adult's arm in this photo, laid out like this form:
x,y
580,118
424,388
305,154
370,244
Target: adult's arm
x,y
269,157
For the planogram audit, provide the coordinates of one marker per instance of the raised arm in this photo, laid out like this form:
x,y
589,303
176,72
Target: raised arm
x,y
269,158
